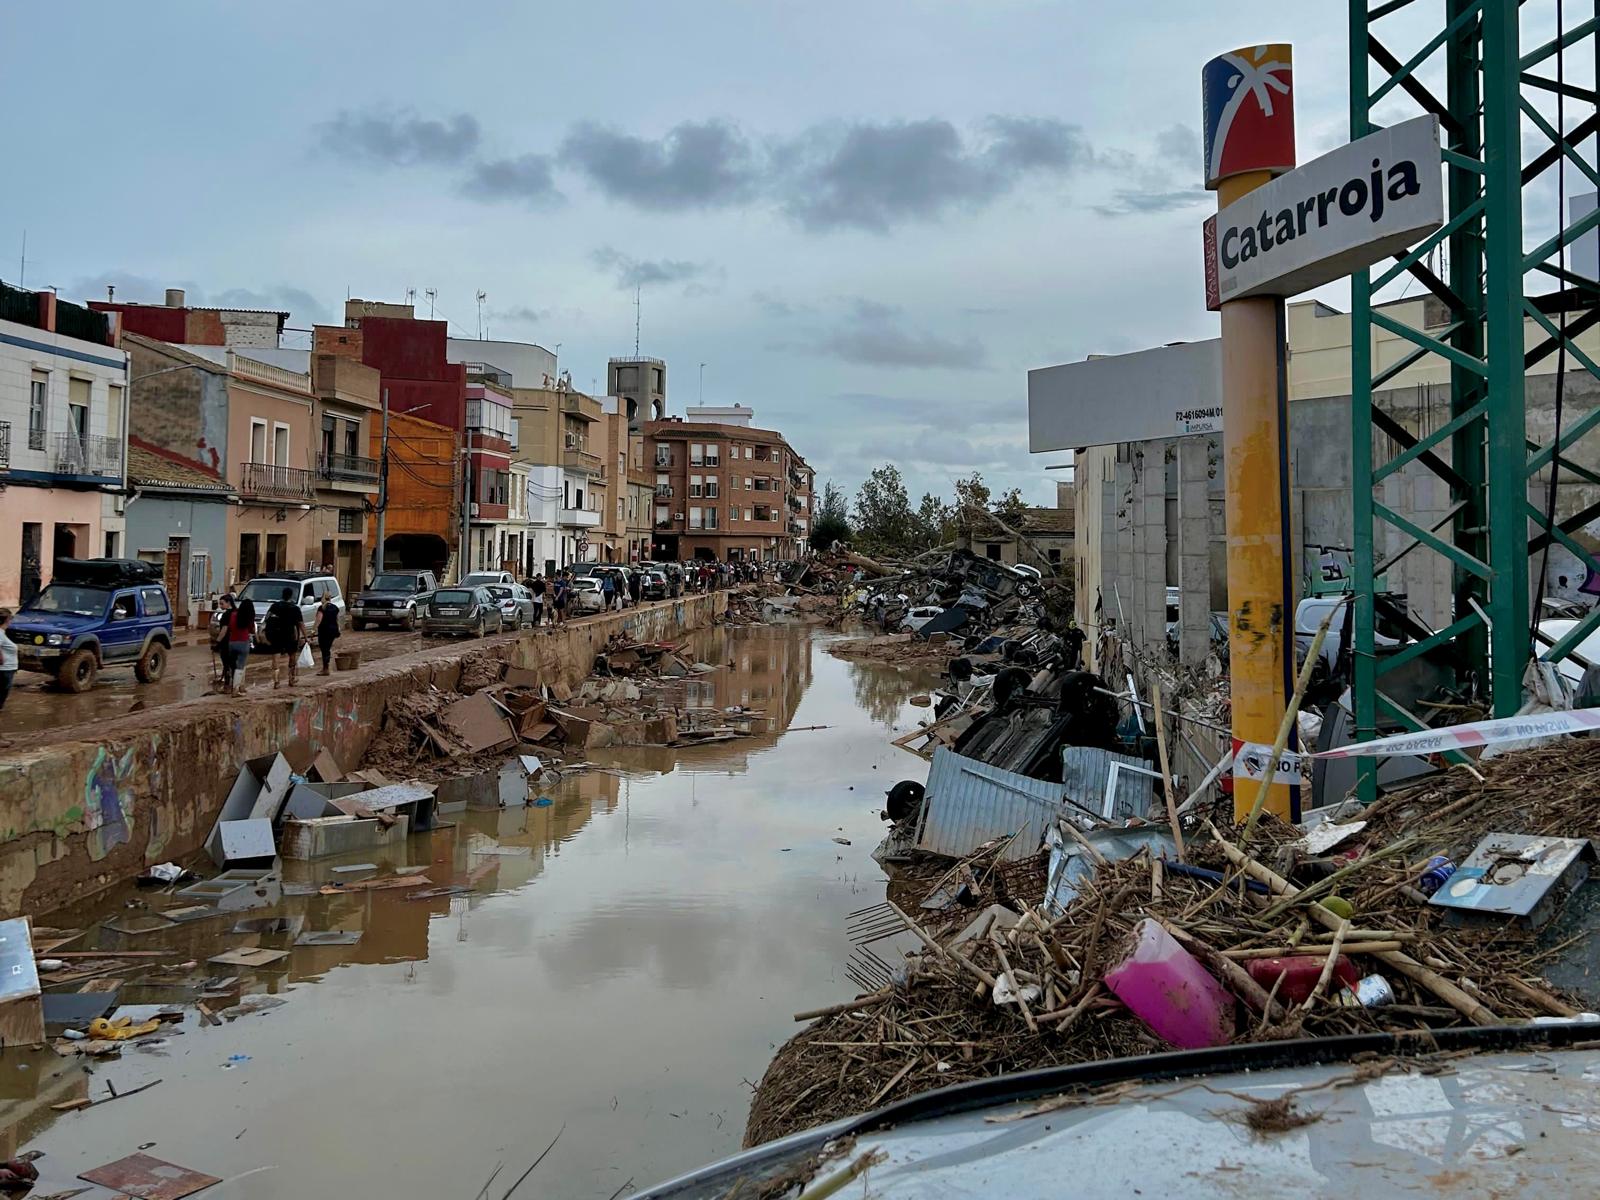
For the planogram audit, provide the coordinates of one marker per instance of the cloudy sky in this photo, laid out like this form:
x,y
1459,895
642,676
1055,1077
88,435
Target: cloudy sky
x,y
868,219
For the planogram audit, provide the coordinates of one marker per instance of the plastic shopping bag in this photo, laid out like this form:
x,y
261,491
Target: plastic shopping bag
x,y
305,654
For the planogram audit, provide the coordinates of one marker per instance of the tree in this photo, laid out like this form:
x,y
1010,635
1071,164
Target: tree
x,y
935,523
831,523
884,521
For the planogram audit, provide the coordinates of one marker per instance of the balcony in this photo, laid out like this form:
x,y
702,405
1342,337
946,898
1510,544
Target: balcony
x,y
794,501
666,524
580,518
266,481
347,468
5,445
664,491
86,454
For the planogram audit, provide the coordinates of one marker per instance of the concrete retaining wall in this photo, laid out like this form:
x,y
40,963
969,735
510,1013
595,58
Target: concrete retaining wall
x,y
78,817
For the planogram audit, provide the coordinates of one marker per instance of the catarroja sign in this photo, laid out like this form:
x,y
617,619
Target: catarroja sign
x,y
1337,214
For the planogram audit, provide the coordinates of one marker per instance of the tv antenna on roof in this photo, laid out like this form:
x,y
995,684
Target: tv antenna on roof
x,y
482,296
430,293
636,295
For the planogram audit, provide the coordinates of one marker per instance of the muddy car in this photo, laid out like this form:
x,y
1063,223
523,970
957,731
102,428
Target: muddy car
x,y
96,613
469,610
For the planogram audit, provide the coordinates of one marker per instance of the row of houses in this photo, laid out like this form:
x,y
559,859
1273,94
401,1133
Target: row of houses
x,y
194,438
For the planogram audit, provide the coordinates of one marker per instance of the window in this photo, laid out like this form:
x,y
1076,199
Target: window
x,y
713,456
711,518
663,456
330,435
749,514
1055,556
658,379
711,486
733,515
155,602
696,486
38,397
349,520
280,444
696,518
258,443
749,484
114,412
662,515
619,508
199,573
992,549
249,556
113,540
352,438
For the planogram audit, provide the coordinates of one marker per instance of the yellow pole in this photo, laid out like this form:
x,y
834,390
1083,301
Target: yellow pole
x,y
1249,139
1260,606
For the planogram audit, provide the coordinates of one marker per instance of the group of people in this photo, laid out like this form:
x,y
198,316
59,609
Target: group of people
x,y
283,631
551,597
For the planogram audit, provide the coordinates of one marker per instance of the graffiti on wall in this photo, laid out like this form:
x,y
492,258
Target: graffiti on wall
x,y
108,802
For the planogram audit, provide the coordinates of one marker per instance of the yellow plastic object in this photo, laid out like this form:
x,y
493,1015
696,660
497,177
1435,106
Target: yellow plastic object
x,y
1339,906
116,1031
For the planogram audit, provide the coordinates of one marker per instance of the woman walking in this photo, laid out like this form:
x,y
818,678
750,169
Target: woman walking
x,y
240,627
327,631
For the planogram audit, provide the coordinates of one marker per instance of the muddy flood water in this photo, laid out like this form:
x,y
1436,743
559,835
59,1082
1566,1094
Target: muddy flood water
x,y
620,972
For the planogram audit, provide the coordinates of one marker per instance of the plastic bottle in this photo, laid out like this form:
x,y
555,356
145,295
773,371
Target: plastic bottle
x,y
1300,973
1165,987
1435,875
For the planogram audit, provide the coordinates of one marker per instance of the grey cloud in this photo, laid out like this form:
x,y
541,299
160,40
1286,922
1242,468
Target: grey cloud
x,y
529,178
1132,203
873,176
303,307
634,272
130,287
399,138
696,165
1179,145
872,335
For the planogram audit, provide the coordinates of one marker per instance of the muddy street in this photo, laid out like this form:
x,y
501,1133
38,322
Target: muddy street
x,y
620,968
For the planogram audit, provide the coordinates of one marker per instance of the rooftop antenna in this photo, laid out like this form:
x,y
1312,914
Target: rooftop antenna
x,y
411,295
482,296
22,268
636,296
111,292
430,294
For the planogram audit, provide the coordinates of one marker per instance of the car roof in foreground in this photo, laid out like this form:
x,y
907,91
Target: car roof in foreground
x,y
1369,1114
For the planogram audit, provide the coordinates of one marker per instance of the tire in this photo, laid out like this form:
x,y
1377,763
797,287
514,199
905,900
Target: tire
x,y
1008,685
483,627
904,800
152,663
78,671
358,624
410,623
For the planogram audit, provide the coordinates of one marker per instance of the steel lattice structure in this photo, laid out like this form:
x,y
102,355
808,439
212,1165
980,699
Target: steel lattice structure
x,y
1495,93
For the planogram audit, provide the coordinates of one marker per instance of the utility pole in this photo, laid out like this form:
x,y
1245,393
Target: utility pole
x,y
383,484
466,508
702,383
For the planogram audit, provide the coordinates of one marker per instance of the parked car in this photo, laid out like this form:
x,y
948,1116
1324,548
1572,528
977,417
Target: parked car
x,y
586,595
619,573
308,589
515,602
393,598
917,617
461,610
485,578
655,584
96,612
1308,617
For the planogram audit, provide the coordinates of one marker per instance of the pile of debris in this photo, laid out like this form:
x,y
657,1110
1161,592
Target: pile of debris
x,y
897,649
1462,900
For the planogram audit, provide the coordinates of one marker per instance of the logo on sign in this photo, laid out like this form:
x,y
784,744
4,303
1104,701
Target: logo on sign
x,y
1249,112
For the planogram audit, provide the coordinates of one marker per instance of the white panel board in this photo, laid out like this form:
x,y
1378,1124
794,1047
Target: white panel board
x,y
1170,391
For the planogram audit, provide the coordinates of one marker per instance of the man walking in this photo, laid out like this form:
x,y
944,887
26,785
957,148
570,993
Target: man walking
x,y
536,586
285,628
8,659
608,590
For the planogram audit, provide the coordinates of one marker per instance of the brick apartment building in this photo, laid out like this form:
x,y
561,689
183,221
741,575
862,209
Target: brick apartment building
x,y
727,490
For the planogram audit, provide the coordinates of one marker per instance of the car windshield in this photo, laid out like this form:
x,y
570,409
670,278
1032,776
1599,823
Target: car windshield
x,y
394,583
268,591
482,577
500,592
453,596
63,598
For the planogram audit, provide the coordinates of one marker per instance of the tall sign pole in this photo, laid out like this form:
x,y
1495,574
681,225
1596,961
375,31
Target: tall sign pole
x,y
1249,140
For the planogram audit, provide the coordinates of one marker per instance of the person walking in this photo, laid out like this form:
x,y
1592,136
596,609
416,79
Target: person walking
x,y
219,641
536,586
608,590
559,598
240,630
327,631
8,660
636,586
285,629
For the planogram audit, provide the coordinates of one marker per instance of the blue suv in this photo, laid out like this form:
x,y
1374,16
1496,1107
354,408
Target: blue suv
x,y
96,612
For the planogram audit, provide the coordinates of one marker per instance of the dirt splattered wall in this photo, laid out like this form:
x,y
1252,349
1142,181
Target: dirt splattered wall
x,y
78,817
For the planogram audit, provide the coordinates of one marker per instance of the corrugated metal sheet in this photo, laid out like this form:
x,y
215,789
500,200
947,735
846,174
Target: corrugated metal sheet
x,y
970,802
1085,771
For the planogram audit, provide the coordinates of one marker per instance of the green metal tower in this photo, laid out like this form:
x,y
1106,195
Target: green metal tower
x,y
1493,93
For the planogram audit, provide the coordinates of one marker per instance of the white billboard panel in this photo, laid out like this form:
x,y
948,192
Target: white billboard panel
x,y
1167,392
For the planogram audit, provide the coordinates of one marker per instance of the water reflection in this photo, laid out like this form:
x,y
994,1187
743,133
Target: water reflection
x,y
616,961
881,692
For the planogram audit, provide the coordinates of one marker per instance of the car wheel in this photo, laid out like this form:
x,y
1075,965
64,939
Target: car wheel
x,y
483,626
357,624
152,663
78,670
410,622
